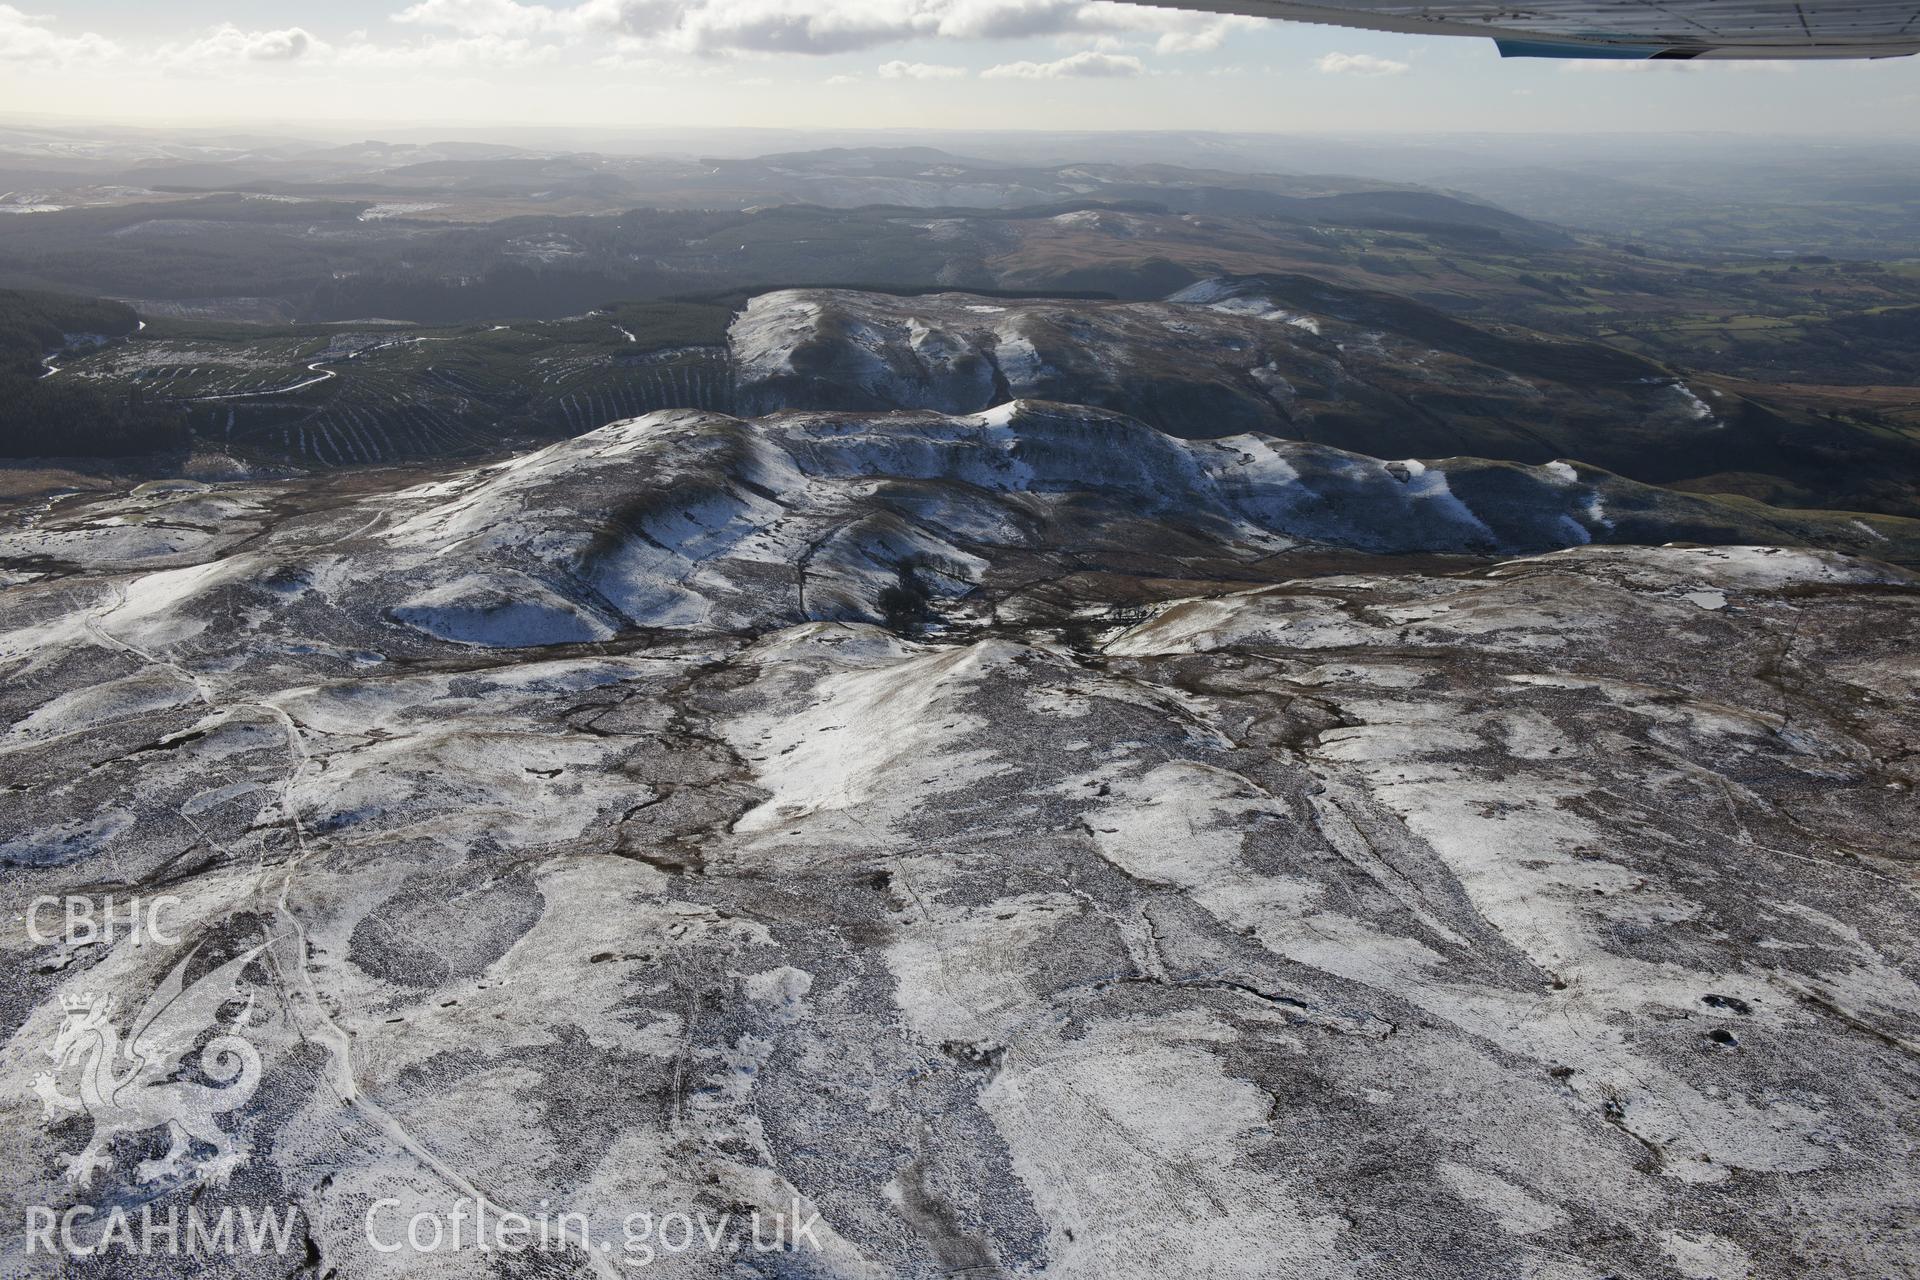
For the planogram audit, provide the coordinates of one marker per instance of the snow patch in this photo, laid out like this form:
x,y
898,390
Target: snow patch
x,y
500,611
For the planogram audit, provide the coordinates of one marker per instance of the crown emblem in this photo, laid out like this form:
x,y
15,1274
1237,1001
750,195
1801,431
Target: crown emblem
x,y
81,1003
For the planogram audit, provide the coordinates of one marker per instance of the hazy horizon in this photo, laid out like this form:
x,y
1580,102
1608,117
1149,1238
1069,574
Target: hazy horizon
x,y
914,64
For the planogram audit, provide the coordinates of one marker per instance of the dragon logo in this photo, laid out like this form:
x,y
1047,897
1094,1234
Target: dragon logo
x,y
129,1086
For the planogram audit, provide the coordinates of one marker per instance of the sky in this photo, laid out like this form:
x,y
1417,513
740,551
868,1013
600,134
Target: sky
x,y
972,64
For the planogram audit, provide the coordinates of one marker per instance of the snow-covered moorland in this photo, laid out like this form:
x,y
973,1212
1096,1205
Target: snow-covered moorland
x,y
1033,844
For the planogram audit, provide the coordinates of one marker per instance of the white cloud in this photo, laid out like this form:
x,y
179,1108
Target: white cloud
x,y
1360,64
498,19
790,26
898,70
1168,30
228,43
1203,39
1087,64
455,34
27,38
448,54
813,27
630,53
481,17
625,17
1004,19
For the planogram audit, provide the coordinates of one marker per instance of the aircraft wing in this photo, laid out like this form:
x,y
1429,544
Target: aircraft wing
x,y
1625,28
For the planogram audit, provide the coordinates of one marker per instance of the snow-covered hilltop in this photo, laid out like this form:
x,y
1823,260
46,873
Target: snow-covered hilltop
x,y
1030,842
1280,355
686,519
